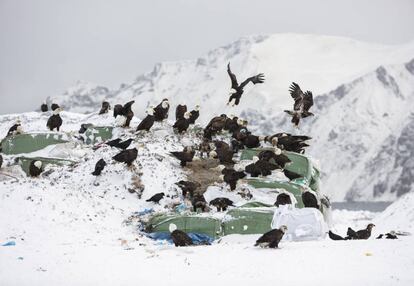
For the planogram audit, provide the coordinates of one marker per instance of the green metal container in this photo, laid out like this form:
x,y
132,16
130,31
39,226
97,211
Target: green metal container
x,y
294,189
188,223
31,142
248,221
98,134
24,162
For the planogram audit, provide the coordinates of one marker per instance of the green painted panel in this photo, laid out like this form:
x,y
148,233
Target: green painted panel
x,y
24,162
31,142
248,221
290,187
255,205
97,134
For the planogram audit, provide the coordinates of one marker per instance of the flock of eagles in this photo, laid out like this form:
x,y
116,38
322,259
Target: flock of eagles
x,y
241,137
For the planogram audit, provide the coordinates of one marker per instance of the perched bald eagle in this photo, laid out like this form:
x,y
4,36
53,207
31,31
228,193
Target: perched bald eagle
x,y
148,121
271,238
161,110
156,198
194,114
188,187
35,168
236,89
105,107
182,124
55,121
44,107
231,176
180,238
179,111
54,106
100,165
221,203
15,129
126,156
184,156
360,234
283,199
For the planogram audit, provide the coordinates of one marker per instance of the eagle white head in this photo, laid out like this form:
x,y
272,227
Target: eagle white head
x,y
212,154
165,103
57,111
283,228
255,159
172,227
278,151
197,107
240,122
238,168
275,140
187,115
19,129
38,164
221,167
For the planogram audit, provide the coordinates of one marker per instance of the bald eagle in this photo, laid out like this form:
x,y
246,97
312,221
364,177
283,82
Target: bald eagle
x,y
237,89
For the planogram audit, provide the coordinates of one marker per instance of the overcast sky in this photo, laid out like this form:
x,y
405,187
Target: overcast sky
x,y
47,45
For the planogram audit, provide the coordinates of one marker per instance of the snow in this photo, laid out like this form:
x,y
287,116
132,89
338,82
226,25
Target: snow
x,y
399,216
354,83
71,228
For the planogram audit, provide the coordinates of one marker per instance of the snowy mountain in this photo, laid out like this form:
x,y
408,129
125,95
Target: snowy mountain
x,y
363,93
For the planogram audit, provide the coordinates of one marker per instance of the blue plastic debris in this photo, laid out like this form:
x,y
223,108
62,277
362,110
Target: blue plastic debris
x,y
198,238
9,243
144,212
181,208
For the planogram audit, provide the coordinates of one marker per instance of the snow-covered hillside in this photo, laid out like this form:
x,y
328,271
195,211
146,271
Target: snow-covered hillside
x,y
363,96
71,228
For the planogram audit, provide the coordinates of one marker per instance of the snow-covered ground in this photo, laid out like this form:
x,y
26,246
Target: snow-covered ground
x,y
70,228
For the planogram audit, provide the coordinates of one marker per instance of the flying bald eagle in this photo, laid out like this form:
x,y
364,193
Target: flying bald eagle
x,y
303,102
236,89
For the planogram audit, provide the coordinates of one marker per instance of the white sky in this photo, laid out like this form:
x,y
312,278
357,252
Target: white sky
x,y
47,45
